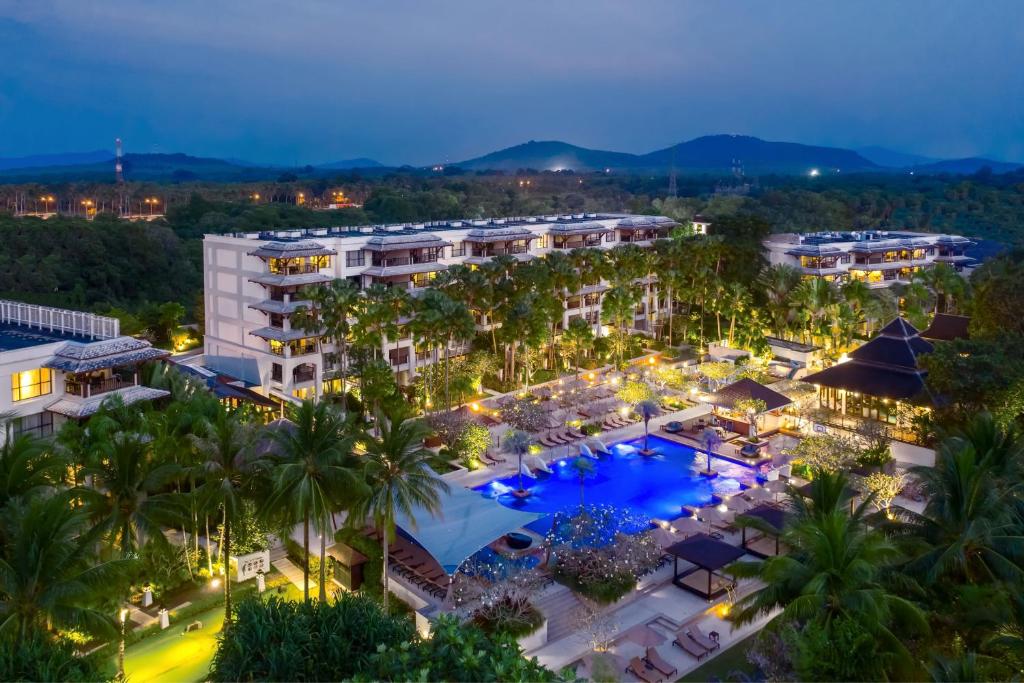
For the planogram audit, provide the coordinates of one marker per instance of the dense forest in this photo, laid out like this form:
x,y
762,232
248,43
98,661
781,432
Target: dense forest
x,y
107,262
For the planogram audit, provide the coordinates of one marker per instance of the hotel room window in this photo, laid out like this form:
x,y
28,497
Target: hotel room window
x,y
31,384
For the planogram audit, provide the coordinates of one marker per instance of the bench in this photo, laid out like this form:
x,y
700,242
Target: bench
x,y
194,626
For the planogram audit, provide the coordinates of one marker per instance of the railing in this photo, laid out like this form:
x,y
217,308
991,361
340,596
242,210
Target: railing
x,y
303,375
507,251
295,270
95,387
59,319
403,261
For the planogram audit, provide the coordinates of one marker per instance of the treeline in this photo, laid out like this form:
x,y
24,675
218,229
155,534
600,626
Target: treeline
x,y
97,265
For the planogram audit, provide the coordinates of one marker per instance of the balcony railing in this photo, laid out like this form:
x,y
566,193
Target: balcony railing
x,y
500,251
403,260
295,270
96,386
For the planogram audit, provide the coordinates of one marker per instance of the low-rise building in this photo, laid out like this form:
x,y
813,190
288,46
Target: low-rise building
x,y
61,365
877,257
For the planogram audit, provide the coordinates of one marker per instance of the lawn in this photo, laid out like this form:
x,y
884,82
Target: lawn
x,y
178,657
730,660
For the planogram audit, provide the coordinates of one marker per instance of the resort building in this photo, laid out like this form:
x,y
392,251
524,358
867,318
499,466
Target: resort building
x,y
61,365
253,284
880,381
877,257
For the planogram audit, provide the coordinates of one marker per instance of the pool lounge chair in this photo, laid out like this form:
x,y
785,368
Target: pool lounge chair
x,y
641,670
687,643
654,658
702,639
575,433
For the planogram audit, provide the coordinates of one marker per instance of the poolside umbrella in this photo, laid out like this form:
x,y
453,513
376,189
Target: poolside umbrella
x,y
776,487
643,635
713,514
664,537
736,504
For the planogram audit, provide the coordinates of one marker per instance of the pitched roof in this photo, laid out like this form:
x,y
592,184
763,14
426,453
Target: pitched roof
x,y
947,327
745,389
706,552
291,250
107,353
885,367
79,408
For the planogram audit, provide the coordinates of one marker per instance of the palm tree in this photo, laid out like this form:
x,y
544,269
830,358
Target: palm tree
x,y
577,338
231,472
778,283
397,470
518,444
331,309
583,468
617,308
128,498
315,474
454,323
48,574
647,409
834,569
736,300
27,469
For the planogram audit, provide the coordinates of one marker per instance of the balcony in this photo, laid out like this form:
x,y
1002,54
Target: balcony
x,y
295,270
500,251
94,387
389,262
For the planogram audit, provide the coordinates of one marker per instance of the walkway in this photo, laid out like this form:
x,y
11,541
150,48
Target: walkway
x,y
292,573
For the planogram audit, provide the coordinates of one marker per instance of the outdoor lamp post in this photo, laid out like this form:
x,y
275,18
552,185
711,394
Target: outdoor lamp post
x,y
120,649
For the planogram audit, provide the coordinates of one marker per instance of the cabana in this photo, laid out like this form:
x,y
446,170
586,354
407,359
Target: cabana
x,y
746,389
708,556
467,523
760,544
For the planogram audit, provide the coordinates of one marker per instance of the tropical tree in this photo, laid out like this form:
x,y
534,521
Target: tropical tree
x,y
400,480
331,309
578,338
27,469
231,471
617,309
778,282
454,323
583,468
128,498
518,442
315,474
647,409
49,576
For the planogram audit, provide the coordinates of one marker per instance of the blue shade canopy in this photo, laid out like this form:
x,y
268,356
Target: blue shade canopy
x,y
468,521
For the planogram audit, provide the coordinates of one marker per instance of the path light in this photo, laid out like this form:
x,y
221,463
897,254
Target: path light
x,y
215,582
475,407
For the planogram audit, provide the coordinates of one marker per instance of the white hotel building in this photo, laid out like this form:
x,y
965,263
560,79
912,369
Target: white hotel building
x,y
253,282
60,365
879,258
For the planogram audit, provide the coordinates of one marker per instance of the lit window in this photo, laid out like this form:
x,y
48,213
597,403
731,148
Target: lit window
x,y
31,383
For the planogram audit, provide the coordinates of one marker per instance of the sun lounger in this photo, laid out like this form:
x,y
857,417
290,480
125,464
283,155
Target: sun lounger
x,y
690,645
575,434
639,668
654,659
702,639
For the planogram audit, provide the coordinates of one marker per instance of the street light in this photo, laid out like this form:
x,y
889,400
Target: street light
x,y
120,650
46,199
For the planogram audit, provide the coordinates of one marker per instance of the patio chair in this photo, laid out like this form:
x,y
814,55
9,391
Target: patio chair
x,y
654,659
690,645
575,433
710,644
641,670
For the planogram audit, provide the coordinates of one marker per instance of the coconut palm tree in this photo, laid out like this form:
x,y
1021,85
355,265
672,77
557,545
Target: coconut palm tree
x,y
778,283
49,576
583,468
451,321
231,472
518,443
834,569
397,470
27,469
128,498
331,309
314,475
647,409
577,338
617,308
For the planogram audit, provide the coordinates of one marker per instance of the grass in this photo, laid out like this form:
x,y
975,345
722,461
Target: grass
x,y
730,660
177,657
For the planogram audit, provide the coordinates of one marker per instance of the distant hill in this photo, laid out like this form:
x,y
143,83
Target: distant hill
x,y
346,164
549,155
892,158
711,153
60,159
966,166
717,152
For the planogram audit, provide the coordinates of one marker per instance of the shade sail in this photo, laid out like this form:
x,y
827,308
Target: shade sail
x,y
468,521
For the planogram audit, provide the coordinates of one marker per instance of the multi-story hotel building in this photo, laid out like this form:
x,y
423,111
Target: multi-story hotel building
x,y
61,365
254,283
877,257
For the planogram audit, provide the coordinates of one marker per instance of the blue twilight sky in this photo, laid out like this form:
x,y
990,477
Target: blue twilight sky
x,y
421,81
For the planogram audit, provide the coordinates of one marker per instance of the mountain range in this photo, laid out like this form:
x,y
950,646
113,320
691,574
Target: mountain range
x,y
711,154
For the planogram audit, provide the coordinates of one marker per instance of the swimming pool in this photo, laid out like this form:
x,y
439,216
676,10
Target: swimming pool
x,y
657,486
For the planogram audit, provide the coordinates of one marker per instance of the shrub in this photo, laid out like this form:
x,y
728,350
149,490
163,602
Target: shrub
x,y
634,393
827,452
40,658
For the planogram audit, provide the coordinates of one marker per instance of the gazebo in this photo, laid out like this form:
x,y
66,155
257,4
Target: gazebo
x,y
747,389
760,543
708,556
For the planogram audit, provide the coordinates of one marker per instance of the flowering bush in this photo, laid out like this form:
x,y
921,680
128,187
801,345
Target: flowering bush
x,y
827,452
600,551
634,392
497,594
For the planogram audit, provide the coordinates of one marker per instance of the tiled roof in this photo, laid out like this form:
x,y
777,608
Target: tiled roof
x,y
291,250
298,280
79,408
484,235
404,240
946,327
98,355
578,229
745,389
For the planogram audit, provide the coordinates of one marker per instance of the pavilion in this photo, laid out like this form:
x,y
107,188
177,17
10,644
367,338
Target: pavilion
x,y
947,327
708,556
879,379
773,518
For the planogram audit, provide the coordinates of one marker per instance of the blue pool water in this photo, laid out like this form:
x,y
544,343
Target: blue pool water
x,y
657,486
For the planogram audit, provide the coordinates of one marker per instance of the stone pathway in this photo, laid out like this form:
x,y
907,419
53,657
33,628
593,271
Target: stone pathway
x,y
292,573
